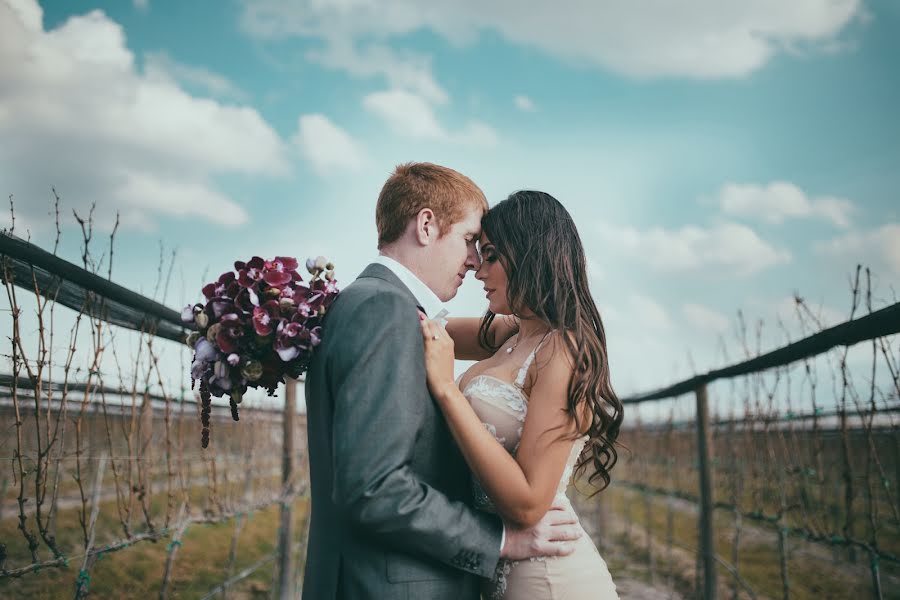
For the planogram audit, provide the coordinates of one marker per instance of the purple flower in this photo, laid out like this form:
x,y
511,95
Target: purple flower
x,y
219,306
220,381
187,314
288,353
198,368
205,351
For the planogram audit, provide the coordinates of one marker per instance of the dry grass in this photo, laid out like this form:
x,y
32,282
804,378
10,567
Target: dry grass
x,y
137,571
815,572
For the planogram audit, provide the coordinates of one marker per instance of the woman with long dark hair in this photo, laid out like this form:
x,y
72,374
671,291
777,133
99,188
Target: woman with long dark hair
x,y
538,405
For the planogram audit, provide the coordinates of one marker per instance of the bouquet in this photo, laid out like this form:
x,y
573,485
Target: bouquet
x,y
258,325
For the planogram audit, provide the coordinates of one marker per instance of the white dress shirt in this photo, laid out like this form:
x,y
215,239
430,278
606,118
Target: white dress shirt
x,y
426,298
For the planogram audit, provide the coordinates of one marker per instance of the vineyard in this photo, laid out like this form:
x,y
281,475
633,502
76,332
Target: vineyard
x,y
775,477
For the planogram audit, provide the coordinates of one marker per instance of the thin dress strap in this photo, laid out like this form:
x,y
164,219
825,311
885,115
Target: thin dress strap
x,y
520,378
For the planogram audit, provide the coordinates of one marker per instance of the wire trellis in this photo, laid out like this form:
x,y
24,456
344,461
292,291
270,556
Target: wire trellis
x,y
803,463
88,469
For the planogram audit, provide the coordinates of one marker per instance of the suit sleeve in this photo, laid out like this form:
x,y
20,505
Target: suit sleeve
x,y
377,413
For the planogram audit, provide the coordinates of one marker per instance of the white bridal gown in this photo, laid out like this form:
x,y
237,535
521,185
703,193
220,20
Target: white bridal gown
x,y
582,575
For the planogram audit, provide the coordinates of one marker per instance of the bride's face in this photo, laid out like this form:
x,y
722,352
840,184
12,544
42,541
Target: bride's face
x,y
492,276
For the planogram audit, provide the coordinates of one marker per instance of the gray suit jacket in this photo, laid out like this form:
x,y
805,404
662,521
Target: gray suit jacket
x,y
391,493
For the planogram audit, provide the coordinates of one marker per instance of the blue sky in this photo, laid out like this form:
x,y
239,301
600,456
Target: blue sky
x,y
716,155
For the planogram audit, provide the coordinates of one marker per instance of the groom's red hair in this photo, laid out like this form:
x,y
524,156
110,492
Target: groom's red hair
x,y
414,186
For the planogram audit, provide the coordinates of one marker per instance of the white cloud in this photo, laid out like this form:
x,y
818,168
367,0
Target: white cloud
x,y
410,115
407,71
704,318
327,146
723,249
148,194
141,4
160,66
877,248
693,38
524,103
407,113
781,200
76,113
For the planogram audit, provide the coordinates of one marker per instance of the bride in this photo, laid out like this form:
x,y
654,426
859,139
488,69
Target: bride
x,y
539,406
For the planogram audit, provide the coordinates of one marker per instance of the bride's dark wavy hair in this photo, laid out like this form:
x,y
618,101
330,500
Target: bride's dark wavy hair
x,y
538,245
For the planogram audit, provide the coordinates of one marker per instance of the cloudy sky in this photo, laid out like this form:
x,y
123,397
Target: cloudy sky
x,y
716,154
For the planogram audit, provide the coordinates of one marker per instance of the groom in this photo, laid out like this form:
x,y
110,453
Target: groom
x,y
391,506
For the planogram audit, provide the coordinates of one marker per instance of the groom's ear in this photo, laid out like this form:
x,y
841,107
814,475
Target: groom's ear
x,y
427,231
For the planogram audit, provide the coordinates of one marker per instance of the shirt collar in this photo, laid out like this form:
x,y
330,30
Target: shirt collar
x,y
426,298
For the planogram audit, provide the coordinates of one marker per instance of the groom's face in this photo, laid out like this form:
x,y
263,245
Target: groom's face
x,y
454,254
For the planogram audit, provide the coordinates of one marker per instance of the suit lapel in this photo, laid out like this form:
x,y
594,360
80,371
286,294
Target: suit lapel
x,y
376,271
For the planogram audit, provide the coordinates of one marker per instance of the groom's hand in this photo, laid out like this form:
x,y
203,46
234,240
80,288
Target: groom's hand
x,y
554,535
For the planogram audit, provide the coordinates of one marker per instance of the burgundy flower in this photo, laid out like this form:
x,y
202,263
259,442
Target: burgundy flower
x,y
289,330
291,339
257,325
278,272
242,300
304,309
252,272
219,288
265,317
231,330
288,292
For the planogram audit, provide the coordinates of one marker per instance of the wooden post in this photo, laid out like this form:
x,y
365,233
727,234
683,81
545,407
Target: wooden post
x,y
286,530
704,451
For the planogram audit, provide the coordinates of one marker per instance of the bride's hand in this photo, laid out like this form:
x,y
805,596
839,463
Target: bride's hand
x,y
438,357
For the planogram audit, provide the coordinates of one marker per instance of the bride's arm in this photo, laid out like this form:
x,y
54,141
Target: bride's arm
x,y
464,331
521,488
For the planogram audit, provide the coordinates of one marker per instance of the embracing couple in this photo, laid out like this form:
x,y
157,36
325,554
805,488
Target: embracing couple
x,y
424,487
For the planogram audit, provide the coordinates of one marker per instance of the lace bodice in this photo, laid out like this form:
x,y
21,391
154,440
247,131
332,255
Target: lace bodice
x,y
502,407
